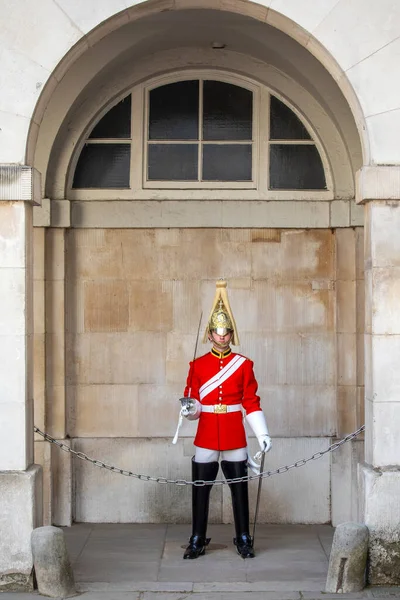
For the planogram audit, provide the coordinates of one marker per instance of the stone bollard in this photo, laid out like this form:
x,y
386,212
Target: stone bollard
x,y
53,570
348,559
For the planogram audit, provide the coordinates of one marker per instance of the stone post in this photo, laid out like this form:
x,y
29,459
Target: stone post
x,y
379,190
20,480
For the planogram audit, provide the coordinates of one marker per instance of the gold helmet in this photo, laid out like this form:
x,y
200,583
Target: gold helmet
x,y
221,318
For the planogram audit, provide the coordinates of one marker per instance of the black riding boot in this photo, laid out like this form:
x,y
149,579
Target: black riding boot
x,y
200,504
240,505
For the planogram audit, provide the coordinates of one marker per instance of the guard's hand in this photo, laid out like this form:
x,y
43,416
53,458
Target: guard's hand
x,y
265,443
188,407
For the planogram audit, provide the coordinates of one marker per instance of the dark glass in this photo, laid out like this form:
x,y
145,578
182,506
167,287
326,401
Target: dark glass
x,y
284,123
227,162
295,167
227,112
174,111
116,123
173,162
103,166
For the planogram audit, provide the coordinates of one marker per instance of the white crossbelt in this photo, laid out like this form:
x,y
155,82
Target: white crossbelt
x,y
213,408
221,376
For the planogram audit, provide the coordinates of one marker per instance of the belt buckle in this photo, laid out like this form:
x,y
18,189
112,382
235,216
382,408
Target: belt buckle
x,y
220,409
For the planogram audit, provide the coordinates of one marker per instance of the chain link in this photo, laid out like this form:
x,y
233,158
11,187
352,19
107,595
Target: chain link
x,y
199,482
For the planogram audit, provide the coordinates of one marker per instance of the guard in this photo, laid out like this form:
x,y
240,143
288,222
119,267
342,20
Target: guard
x,y
220,385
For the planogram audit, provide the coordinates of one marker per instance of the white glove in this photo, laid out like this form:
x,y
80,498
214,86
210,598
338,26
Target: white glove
x,y
191,408
257,422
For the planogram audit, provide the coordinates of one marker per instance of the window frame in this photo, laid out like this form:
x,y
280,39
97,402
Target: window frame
x,y
201,76
257,189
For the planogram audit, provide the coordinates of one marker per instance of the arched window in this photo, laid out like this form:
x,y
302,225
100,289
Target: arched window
x,y
200,133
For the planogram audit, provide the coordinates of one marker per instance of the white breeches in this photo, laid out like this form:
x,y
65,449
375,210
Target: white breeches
x,y
203,455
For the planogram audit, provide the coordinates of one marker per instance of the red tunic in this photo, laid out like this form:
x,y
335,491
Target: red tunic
x,y
222,431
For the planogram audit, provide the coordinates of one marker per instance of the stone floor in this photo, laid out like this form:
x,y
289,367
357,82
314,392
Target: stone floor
x,y
144,562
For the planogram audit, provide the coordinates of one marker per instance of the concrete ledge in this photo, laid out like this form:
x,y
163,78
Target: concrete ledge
x,y
377,183
21,512
20,183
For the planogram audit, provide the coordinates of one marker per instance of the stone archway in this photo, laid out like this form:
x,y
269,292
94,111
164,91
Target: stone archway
x,y
370,112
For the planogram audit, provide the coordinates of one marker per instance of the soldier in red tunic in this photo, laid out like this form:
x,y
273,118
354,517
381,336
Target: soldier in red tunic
x,y
220,385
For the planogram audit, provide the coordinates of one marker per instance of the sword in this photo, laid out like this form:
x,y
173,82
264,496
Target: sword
x,y
258,494
188,402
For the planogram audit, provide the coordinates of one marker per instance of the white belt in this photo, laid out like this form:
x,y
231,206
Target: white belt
x,y
220,409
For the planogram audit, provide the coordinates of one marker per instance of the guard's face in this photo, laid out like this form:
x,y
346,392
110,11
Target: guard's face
x,y
220,341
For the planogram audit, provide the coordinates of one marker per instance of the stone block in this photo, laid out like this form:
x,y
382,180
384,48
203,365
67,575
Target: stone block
x,y
41,214
344,481
383,132
308,16
383,223
38,253
348,559
346,359
107,306
299,410
354,43
55,410
360,306
48,47
360,359
346,306
377,183
310,503
300,255
21,512
13,222
55,359
292,359
385,318
346,409
360,252
382,354
13,301
381,511
345,255
14,133
151,306
14,445
55,255
42,453
102,496
13,374
384,424
39,378
357,214
340,213
60,213
102,358
62,499
53,569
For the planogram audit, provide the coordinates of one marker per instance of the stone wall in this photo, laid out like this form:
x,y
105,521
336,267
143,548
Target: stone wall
x,y
132,304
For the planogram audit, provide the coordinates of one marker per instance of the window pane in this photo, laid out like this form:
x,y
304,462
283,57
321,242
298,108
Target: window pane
x,y
103,166
227,112
284,123
227,162
174,111
295,167
172,162
116,123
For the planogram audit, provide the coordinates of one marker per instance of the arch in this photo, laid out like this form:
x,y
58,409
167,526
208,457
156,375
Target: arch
x,y
86,46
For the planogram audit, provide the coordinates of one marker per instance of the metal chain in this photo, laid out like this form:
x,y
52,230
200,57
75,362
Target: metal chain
x,y
199,482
